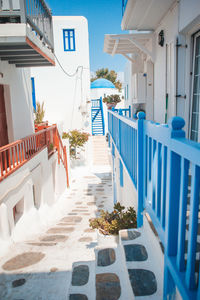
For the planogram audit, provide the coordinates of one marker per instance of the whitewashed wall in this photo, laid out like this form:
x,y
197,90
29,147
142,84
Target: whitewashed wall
x,y
18,100
170,26
66,97
126,195
34,188
181,21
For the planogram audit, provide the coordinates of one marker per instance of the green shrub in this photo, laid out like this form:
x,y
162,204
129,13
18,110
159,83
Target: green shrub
x,y
76,140
111,223
112,99
39,113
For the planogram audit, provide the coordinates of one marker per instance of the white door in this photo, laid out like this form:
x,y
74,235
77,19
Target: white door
x,y
195,103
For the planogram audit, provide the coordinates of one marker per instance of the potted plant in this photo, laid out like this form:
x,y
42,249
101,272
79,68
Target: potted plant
x,y
111,100
77,139
110,223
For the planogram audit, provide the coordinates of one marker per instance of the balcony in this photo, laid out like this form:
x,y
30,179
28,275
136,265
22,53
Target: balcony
x,y
26,36
164,168
143,15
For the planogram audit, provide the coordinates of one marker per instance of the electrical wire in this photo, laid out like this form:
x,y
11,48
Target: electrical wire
x,y
73,74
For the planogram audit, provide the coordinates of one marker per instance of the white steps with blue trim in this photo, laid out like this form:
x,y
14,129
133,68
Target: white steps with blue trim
x,y
144,261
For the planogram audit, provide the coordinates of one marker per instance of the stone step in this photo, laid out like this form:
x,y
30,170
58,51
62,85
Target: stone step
x,y
82,281
112,281
144,262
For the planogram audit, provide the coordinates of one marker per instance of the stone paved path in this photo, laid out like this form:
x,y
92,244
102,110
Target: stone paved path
x,y
41,269
100,153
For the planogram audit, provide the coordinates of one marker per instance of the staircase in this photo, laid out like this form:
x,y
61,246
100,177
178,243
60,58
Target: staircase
x,y
126,269
98,127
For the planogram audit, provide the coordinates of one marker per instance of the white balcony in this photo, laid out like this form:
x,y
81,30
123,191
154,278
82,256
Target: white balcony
x,y
26,33
142,14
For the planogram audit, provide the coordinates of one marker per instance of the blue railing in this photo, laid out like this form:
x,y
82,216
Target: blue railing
x,y
126,112
124,3
96,103
165,169
103,122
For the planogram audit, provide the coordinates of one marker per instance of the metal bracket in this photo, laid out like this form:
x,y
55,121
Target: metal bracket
x,y
181,46
180,96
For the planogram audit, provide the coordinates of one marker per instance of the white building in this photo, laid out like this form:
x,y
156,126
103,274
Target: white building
x,y
162,52
162,78
65,89
32,165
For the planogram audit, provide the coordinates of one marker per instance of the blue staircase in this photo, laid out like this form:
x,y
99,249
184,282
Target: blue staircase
x,y
98,126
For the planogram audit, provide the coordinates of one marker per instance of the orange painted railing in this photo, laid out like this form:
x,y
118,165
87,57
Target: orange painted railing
x,y
16,154
62,154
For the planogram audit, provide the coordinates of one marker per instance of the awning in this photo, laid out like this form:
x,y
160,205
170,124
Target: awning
x,y
129,44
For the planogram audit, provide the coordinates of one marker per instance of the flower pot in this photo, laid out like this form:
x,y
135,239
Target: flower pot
x,y
111,105
103,239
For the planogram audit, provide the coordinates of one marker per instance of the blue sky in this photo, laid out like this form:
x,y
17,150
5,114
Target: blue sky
x,y
104,16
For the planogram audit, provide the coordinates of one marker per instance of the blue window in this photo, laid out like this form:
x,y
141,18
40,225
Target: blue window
x,y
121,175
69,39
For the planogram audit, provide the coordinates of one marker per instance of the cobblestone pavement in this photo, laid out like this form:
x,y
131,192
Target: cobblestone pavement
x,y
41,268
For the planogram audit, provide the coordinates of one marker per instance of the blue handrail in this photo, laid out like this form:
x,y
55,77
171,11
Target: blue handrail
x,y
124,3
161,163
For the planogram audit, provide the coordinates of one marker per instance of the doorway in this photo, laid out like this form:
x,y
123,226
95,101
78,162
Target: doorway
x,y
3,119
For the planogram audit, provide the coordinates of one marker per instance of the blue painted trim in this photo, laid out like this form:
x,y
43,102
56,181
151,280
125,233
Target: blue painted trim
x,y
33,92
98,125
114,182
121,173
157,157
102,115
67,40
124,3
113,150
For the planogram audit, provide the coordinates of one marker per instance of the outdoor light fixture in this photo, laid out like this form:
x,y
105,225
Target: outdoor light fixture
x,y
161,38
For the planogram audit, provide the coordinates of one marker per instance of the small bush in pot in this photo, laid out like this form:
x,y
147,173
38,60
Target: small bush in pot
x,y
77,139
111,223
111,100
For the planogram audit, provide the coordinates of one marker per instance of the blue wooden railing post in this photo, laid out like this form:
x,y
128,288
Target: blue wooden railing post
x,y
129,111
140,167
172,202
102,114
120,113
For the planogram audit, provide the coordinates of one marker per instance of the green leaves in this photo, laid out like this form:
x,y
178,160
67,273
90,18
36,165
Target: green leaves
x,y
39,113
76,140
111,223
112,99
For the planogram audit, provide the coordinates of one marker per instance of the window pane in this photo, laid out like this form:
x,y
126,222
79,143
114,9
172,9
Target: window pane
x,y
69,39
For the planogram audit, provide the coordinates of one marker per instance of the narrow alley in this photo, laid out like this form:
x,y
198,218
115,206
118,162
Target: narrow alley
x,y
41,268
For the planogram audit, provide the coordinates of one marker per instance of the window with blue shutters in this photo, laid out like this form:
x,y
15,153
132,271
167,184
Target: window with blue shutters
x,y
69,40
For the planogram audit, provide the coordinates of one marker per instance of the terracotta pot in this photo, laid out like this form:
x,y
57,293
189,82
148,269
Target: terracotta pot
x,y
111,105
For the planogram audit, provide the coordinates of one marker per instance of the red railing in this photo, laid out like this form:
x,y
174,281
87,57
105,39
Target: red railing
x,y
16,154
62,154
